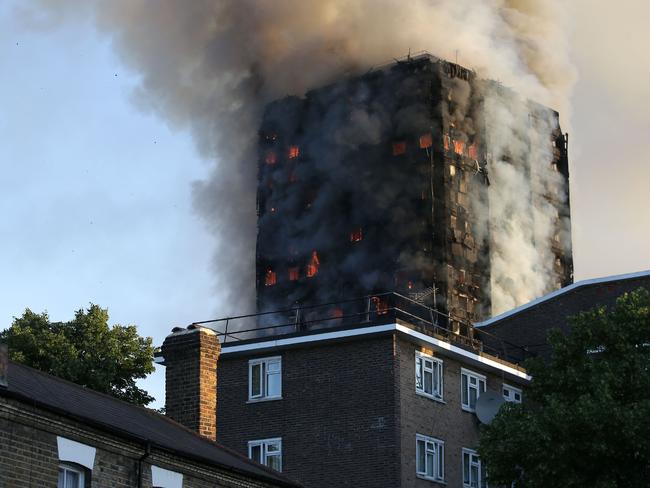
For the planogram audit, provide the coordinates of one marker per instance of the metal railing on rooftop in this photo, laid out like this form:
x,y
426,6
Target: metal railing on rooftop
x,y
383,308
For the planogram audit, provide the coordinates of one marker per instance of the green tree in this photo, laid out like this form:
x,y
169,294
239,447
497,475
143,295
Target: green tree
x,y
85,350
586,418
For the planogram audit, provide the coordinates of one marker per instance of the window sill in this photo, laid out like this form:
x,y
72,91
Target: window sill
x,y
468,409
265,399
430,397
433,480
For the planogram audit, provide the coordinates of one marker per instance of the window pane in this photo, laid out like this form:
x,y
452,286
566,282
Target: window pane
x,y
71,479
274,462
430,464
464,390
472,397
420,456
474,476
274,384
418,374
441,462
428,382
256,380
466,479
273,447
256,453
61,482
274,366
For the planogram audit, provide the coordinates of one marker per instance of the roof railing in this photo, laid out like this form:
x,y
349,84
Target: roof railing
x,y
381,308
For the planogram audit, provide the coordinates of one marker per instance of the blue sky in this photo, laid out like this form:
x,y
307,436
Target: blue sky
x,y
95,194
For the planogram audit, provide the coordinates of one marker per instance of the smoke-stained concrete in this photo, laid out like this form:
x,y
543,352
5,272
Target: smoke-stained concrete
x,y
212,65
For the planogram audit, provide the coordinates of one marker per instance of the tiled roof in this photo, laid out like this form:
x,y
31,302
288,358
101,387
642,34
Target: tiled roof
x,y
126,420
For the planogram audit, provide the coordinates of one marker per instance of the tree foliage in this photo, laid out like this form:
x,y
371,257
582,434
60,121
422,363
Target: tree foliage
x,y
85,350
586,418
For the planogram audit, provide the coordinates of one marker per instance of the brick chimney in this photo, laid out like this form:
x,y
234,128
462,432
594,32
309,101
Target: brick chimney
x,y
190,356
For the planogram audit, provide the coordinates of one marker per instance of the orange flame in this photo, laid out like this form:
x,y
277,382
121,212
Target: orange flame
x,y
313,265
399,147
294,274
459,147
356,235
270,278
294,152
426,141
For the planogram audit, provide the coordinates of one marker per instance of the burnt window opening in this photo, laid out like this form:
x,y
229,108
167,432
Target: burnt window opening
x,y
462,275
410,285
459,147
453,221
472,151
270,278
313,265
356,235
270,158
293,152
380,304
446,141
294,274
399,147
452,170
336,313
426,141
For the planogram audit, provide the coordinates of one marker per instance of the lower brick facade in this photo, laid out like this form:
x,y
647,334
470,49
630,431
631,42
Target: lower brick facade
x,y
349,411
338,416
29,455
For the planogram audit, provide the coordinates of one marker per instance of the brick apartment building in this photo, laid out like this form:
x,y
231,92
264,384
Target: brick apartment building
x,y
382,399
56,433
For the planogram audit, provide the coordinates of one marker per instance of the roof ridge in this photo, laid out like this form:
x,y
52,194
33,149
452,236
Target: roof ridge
x,y
562,291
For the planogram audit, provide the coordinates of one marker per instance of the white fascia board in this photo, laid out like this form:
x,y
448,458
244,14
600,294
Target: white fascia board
x,y
561,291
445,346
306,339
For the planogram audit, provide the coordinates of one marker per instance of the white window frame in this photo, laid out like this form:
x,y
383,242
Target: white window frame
x,y
269,367
79,471
436,370
510,396
480,387
265,453
436,449
473,461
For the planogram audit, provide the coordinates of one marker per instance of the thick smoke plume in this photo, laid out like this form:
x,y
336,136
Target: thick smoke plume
x,y
213,64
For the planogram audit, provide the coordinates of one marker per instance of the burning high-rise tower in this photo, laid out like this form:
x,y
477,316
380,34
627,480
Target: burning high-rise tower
x,y
417,178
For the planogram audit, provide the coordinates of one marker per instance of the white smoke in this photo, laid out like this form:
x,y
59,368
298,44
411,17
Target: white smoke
x,y
211,65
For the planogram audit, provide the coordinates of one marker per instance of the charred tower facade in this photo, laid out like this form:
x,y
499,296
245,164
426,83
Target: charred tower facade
x,y
382,183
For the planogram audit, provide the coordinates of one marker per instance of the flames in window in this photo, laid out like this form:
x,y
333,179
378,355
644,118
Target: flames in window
x,y
313,265
459,147
381,305
399,147
294,274
294,152
426,141
271,158
472,151
356,235
270,278
446,142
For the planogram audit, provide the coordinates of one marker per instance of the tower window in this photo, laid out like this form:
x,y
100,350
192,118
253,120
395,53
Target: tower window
x,y
472,151
426,141
459,147
270,278
271,158
313,265
446,141
294,274
294,152
356,235
399,147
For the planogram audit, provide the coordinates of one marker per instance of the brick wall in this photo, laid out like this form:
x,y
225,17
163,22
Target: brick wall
x,y
191,379
29,454
337,418
445,421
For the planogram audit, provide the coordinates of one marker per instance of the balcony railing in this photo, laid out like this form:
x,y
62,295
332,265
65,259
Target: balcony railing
x,y
383,308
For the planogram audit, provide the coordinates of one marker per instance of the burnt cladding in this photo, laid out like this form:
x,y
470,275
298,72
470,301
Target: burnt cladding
x,y
365,186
